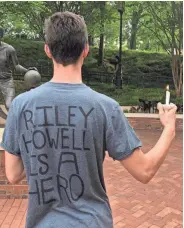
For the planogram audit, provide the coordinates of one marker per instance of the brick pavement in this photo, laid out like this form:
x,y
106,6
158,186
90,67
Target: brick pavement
x,y
157,204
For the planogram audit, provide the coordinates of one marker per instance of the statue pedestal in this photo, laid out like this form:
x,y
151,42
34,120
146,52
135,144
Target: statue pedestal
x,y
2,121
2,159
1,134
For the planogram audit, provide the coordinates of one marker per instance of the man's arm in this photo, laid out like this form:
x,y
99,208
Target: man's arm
x,y
15,62
144,166
14,168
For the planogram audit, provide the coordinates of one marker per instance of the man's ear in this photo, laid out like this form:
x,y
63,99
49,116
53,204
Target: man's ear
x,y
86,51
47,51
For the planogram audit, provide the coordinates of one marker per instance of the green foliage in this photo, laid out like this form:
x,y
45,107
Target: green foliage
x,y
135,63
178,100
156,27
29,16
128,96
30,53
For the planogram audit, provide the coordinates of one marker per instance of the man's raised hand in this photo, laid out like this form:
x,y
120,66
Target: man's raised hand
x,y
167,114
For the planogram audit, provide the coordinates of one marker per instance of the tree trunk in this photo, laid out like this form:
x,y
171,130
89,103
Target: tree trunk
x,y
101,50
133,38
101,43
133,31
135,21
177,57
147,47
91,40
177,73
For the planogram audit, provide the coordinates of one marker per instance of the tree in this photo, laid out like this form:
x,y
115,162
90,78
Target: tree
x,y
34,17
35,13
168,29
102,27
135,10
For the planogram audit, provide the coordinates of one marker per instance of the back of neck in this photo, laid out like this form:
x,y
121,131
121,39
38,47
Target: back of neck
x,y
70,74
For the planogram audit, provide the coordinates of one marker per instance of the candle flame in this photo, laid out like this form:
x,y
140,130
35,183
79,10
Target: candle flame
x,y
167,87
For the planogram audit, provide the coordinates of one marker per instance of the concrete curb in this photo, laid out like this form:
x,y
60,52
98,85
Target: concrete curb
x,y
148,115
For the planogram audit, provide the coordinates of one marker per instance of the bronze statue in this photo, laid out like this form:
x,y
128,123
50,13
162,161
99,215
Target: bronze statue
x,y
8,56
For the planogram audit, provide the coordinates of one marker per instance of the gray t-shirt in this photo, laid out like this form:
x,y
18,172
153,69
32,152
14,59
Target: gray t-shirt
x,y
61,132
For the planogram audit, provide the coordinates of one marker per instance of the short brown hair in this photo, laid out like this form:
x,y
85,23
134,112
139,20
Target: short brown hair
x,y
66,35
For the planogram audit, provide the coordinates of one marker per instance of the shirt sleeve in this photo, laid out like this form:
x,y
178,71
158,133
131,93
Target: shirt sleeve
x,y
10,141
121,139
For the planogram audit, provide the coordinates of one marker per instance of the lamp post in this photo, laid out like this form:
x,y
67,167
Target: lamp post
x,y
119,71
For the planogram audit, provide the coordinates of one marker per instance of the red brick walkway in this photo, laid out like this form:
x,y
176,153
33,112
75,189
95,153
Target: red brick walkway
x,y
157,204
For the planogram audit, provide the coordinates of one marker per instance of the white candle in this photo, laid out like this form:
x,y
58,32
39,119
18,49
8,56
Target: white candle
x,y
167,100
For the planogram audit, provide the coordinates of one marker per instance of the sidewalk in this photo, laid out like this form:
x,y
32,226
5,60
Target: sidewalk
x,y
134,205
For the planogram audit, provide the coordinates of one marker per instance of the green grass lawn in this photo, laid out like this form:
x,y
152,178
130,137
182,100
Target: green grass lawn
x,y
127,96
